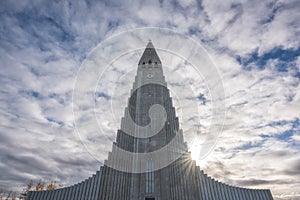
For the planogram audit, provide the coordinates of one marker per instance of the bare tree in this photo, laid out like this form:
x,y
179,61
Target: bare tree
x,y
52,185
26,190
40,186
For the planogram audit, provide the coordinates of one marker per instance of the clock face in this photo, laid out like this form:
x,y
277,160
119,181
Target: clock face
x,y
149,75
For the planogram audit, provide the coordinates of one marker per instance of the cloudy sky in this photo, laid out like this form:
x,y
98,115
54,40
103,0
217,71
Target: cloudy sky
x,y
254,44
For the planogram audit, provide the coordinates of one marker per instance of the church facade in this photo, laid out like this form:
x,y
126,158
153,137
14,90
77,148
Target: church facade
x,y
150,160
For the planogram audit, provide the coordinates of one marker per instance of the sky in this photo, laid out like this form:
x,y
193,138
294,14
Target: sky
x,y
254,45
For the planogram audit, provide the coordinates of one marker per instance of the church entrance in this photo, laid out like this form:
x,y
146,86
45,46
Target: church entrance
x,y
150,198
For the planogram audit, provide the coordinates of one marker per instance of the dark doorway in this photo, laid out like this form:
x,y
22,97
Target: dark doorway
x,y
150,198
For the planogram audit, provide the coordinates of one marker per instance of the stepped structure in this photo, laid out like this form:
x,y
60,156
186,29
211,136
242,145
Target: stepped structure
x,y
150,160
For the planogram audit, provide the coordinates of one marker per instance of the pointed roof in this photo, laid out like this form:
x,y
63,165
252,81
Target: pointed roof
x,y
149,56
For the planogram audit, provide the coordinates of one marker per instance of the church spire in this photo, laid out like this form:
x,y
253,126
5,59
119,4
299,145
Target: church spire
x,y
149,56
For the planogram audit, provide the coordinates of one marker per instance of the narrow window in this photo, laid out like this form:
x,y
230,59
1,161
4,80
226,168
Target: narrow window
x,y
149,177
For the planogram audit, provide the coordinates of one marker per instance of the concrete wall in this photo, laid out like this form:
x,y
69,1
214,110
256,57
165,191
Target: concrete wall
x,y
86,190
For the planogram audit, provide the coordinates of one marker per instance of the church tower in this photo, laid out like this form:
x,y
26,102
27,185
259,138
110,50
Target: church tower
x,y
150,160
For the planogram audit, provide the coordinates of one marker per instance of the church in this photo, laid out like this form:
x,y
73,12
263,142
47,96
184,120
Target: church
x,y
149,159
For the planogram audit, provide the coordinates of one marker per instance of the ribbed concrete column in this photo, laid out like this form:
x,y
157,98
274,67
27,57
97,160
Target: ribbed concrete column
x,y
72,192
270,195
97,190
181,186
223,195
252,194
231,188
67,196
91,181
265,195
29,195
58,194
212,189
77,191
220,195
239,193
204,183
259,195
118,182
212,196
226,192
87,188
102,182
46,195
54,194
236,194
38,195
231,192
91,187
49,195
105,183
94,191
77,196
256,194
35,197
84,188
41,196
65,193
247,196
244,193
226,189
218,185
113,183
81,188
223,191
201,184
207,193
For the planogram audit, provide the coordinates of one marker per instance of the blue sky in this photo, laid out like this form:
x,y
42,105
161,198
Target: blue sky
x,y
255,45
